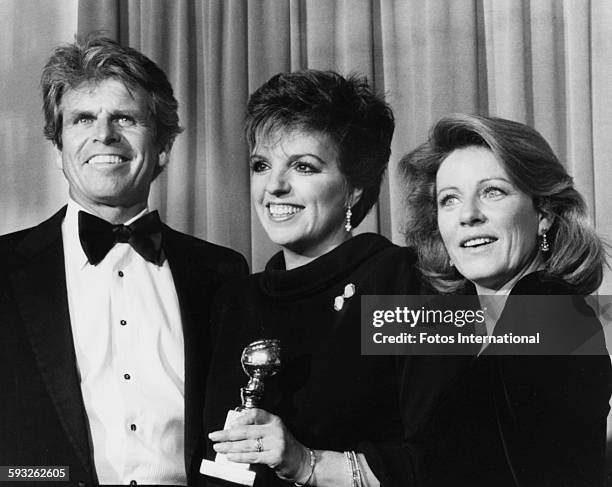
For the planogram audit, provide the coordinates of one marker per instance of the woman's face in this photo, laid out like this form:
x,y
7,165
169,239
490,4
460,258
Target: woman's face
x,y
298,191
488,225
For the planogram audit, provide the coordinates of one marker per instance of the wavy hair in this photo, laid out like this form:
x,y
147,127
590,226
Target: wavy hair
x,y
358,121
577,253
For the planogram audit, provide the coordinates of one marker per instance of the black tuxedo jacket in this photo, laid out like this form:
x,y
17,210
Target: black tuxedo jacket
x,y
42,416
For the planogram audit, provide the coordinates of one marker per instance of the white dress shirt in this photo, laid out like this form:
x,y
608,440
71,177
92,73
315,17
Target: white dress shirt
x,y
128,339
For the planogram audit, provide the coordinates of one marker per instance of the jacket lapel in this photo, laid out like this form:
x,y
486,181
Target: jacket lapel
x,y
195,285
40,290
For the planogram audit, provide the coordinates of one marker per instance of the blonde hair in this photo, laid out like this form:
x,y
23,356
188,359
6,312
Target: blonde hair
x,y
577,253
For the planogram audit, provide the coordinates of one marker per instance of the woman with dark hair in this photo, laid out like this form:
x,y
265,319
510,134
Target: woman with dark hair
x,y
319,146
491,210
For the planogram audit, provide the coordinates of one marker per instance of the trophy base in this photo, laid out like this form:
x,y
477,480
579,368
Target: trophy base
x,y
228,471
222,468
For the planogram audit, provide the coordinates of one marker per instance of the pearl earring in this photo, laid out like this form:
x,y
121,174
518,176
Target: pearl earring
x,y
349,214
544,247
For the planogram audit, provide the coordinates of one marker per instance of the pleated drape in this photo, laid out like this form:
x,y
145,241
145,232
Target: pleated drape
x,y
547,63
31,184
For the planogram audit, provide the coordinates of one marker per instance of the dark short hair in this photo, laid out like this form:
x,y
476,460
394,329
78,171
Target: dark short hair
x,y
577,254
358,121
93,59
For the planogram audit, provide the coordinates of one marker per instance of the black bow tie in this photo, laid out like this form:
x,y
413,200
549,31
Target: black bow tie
x,y
97,236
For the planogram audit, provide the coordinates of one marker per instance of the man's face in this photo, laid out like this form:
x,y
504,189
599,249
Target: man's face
x,y
109,155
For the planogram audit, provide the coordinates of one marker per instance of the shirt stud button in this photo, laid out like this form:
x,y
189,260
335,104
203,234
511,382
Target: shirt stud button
x,y
121,274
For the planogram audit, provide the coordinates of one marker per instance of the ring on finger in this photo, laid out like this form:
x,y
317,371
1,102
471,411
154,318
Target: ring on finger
x,y
259,445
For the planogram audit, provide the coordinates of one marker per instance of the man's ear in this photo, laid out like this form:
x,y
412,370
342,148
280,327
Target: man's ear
x,y
162,160
58,158
163,157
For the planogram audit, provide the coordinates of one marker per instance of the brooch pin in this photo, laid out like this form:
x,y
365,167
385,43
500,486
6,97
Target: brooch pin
x,y
349,291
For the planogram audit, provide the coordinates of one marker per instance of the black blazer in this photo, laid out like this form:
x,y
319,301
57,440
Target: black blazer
x,y
516,420
42,415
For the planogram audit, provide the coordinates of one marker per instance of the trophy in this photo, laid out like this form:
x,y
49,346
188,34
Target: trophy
x,y
260,359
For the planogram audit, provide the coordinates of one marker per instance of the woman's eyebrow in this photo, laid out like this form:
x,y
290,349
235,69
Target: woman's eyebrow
x,y
496,178
295,157
446,188
480,181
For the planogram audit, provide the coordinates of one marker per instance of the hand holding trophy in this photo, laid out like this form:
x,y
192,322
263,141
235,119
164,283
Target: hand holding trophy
x,y
260,360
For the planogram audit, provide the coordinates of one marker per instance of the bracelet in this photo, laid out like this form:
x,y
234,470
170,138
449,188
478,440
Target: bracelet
x,y
354,470
313,462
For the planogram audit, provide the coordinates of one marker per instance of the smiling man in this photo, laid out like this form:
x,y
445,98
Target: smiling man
x,y
109,153
104,309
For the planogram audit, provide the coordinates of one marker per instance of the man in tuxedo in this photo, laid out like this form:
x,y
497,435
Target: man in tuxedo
x,y
103,309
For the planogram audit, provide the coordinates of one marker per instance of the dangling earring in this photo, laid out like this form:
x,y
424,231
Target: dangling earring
x,y
451,263
349,214
544,247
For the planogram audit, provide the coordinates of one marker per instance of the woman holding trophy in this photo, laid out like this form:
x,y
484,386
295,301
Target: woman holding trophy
x,y
319,147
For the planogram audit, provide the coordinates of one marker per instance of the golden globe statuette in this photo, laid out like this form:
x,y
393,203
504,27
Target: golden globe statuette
x,y
260,359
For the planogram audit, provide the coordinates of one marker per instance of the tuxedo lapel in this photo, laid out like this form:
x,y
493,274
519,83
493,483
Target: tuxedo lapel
x,y
195,284
40,291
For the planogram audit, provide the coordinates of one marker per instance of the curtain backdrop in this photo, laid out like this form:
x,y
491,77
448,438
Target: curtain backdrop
x,y
544,62
547,63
